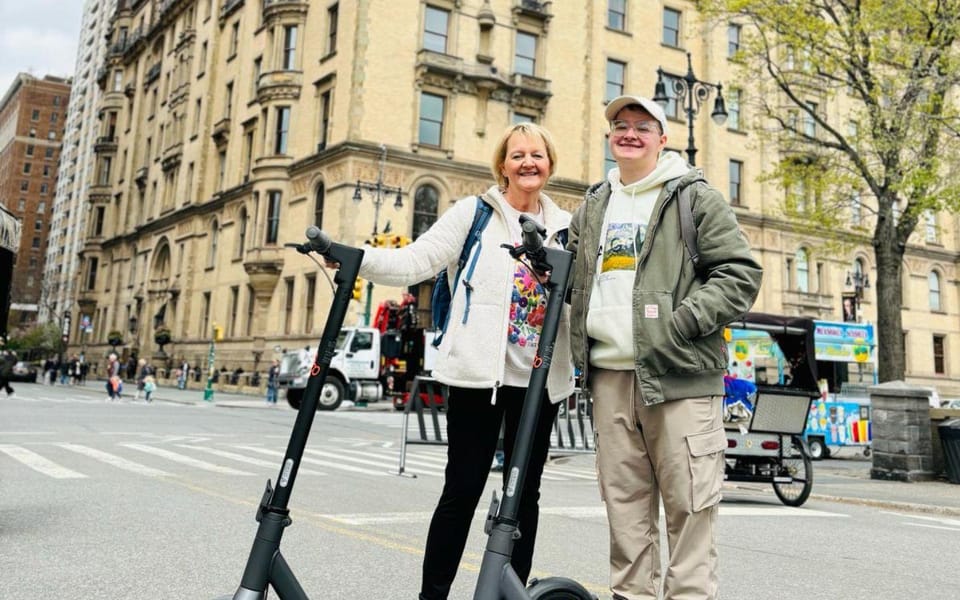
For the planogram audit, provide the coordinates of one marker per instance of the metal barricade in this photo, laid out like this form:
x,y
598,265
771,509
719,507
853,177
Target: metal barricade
x,y
573,428
429,388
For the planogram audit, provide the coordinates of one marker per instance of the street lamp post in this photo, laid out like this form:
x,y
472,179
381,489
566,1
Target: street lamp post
x,y
859,281
691,93
379,191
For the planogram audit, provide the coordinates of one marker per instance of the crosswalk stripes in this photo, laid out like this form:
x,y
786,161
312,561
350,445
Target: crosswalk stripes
x,y
225,458
244,459
39,463
186,460
114,460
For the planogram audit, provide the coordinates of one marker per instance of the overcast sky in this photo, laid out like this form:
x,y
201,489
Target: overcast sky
x,y
38,37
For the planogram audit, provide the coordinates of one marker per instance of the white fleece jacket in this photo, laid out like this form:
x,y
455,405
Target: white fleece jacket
x,y
473,354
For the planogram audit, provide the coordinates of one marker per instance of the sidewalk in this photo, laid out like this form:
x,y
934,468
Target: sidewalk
x,y
174,395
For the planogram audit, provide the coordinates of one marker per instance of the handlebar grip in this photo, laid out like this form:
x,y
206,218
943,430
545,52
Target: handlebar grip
x,y
531,237
318,241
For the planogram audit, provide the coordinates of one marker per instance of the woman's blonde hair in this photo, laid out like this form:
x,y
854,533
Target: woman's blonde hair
x,y
529,130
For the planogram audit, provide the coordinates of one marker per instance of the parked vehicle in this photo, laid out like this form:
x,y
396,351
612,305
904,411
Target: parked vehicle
x,y
838,422
24,372
370,364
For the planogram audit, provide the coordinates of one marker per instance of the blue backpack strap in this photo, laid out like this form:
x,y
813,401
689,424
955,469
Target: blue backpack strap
x,y
480,218
484,211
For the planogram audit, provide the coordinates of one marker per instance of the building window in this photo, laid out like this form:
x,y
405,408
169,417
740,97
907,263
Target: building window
x,y
318,200
435,25
426,205
242,233
736,181
214,242
324,119
615,76
234,301
273,216
38,225
671,27
288,305
36,244
228,101
289,47
431,119
525,56
24,185
26,168
234,39
803,271
41,207
43,189
92,265
809,125
221,169
35,115
930,226
311,293
856,209
617,14
933,282
251,298
205,316
29,149
733,109
48,152
608,161
333,15
518,117
939,364
283,130
733,40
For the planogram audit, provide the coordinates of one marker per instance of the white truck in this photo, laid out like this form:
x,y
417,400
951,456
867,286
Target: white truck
x,y
368,366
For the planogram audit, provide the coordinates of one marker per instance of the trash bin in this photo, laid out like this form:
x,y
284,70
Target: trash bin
x,y
950,438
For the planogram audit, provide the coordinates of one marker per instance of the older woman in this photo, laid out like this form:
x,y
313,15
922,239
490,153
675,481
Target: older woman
x,y
486,353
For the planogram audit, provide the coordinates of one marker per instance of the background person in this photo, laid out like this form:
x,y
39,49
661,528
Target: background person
x,y
646,329
503,311
273,380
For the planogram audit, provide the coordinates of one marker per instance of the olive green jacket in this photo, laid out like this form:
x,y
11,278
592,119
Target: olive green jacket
x,y
681,352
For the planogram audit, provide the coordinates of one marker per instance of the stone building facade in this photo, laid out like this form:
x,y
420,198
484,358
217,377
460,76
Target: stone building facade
x,y
239,123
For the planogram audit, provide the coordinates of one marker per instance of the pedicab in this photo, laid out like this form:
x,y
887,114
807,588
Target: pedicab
x,y
770,384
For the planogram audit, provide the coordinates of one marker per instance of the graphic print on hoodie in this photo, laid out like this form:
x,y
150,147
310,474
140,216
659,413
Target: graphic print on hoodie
x,y
624,230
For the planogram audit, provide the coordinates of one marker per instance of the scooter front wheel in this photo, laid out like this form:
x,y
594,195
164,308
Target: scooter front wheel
x,y
558,588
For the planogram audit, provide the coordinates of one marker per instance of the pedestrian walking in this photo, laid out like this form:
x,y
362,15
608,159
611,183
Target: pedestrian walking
x,y
8,358
647,335
149,386
114,383
183,374
486,355
273,380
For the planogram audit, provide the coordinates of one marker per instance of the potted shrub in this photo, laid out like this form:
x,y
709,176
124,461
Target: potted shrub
x,y
162,337
114,338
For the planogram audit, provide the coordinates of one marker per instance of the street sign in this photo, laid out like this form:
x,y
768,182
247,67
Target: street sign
x,y
65,332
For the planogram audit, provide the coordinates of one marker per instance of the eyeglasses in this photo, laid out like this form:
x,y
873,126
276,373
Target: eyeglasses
x,y
641,127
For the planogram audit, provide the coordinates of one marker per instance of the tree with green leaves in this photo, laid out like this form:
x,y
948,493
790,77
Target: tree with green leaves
x,y
858,96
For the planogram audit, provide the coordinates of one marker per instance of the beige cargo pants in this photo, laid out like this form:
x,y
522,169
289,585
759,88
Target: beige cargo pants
x,y
671,451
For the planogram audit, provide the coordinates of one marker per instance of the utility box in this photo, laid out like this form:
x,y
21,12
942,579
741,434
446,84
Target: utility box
x,y
950,439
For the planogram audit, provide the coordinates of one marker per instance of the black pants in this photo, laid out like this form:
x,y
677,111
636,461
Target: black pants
x,y
5,384
473,426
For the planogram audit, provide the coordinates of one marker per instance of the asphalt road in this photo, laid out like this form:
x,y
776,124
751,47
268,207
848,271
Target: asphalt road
x,y
129,500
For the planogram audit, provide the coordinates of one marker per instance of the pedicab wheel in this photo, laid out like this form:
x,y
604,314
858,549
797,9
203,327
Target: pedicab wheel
x,y
558,588
797,464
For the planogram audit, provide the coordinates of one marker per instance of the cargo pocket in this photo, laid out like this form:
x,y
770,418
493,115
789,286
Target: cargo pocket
x,y
706,467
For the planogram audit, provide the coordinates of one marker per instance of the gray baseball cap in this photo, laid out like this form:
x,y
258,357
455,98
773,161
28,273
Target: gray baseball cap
x,y
618,103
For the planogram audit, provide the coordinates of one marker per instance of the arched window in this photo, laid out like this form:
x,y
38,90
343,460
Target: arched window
x,y
242,233
318,205
426,202
933,282
214,241
803,271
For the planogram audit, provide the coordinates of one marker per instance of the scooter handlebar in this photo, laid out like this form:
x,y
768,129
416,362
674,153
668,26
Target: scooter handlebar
x,y
318,241
532,241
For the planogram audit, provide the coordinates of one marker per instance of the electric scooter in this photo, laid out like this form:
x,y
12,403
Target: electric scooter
x,y
266,565
497,580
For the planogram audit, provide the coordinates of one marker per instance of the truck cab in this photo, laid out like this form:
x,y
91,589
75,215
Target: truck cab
x,y
355,368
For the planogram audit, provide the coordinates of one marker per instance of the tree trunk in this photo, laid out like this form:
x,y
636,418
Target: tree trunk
x,y
891,356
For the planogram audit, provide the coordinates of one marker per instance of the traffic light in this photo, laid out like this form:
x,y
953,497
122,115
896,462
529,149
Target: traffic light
x,y
357,288
217,333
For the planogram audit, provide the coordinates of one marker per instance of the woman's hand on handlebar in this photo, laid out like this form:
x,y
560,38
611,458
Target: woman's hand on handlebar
x,y
330,264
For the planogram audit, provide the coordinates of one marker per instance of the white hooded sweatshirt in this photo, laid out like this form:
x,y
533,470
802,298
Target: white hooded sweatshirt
x,y
624,229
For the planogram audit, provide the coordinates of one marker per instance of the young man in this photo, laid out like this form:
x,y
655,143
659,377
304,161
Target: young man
x,y
657,384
